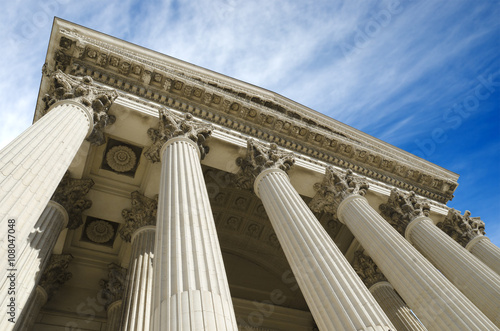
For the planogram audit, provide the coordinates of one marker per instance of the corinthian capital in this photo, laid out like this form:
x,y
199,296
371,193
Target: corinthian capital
x,y
71,195
402,208
367,270
82,90
143,213
335,187
171,126
55,273
462,228
259,158
114,287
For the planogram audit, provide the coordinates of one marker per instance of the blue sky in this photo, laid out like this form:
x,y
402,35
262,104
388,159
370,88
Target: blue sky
x,y
421,75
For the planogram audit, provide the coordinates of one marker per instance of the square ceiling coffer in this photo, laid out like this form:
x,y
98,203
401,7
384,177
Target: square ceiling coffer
x,y
121,158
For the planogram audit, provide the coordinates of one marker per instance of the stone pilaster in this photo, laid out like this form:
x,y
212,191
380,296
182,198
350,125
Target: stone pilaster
x,y
469,232
32,260
437,303
334,293
392,304
471,276
34,163
190,283
112,293
53,277
139,229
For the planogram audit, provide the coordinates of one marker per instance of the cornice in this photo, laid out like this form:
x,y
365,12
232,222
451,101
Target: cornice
x,y
267,116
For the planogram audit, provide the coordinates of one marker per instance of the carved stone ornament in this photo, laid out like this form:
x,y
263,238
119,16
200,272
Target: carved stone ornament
x,y
143,213
55,273
100,231
82,89
71,195
259,158
114,287
121,158
171,126
401,208
367,270
335,187
462,228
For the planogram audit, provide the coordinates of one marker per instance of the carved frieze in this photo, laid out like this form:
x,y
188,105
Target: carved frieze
x,y
261,157
71,195
367,270
335,187
114,287
142,213
285,120
55,273
401,208
172,125
462,228
83,90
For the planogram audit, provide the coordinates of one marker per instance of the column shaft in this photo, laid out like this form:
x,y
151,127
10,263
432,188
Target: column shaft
x,y
190,283
437,303
482,248
36,302
395,308
335,294
472,277
136,315
33,164
34,256
114,313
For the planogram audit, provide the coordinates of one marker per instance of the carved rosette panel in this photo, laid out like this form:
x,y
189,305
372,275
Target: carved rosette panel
x,y
171,126
114,287
71,195
462,228
55,273
401,208
100,231
82,89
367,270
121,158
143,213
334,188
259,158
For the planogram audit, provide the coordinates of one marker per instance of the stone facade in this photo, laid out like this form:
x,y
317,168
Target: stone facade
x,y
188,200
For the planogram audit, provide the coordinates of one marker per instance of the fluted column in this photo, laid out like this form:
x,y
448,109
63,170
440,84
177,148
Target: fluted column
x,y
33,257
34,163
337,298
392,304
191,291
434,299
112,293
482,248
140,230
471,276
469,232
53,277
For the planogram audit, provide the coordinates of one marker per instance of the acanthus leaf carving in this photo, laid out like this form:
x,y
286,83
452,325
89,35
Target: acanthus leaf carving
x,y
71,195
259,158
171,126
334,188
366,269
402,208
462,228
83,90
113,288
143,213
55,273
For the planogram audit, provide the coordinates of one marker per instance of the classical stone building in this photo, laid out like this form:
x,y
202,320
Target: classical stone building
x,y
151,194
